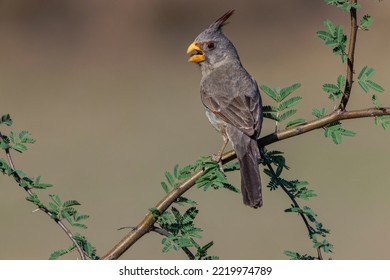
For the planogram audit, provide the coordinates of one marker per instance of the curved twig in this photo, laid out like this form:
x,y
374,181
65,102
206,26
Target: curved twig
x,y
45,210
351,58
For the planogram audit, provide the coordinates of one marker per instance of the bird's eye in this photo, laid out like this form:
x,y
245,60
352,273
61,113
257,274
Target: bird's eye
x,y
210,45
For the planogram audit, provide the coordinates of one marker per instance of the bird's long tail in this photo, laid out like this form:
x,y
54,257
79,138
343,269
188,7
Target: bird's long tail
x,y
248,153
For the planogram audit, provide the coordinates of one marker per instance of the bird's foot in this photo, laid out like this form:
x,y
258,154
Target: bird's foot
x,y
218,159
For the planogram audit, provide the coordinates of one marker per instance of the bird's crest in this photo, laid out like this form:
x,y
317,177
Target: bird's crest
x,y
222,21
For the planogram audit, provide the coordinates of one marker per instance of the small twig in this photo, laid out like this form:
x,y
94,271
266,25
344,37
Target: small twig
x,y
45,210
351,58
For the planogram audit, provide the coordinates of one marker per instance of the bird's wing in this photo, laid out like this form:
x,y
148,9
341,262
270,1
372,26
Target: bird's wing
x,y
235,103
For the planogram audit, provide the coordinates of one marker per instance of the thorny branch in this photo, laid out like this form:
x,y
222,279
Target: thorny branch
x,y
45,210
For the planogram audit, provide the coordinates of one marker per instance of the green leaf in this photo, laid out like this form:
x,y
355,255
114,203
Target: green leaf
x,y
165,187
374,86
335,38
324,245
19,147
330,27
25,137
287,114
6,119
269,108
319,113
295,122
58,253
4,167
170,179
70,203
284,92
39,185
366,22
231,166
34,199
344,5
340,37
4,142
80,217
330,88
384,121
269,92
289,103
363,85
341,82
176,171
182,199
177,214
155,212
335,131
56,199
364,80
363,72
167,245
270,116
79,225
190,215
324,35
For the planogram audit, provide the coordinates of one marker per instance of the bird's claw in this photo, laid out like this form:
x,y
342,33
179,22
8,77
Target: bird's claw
x,y
218,159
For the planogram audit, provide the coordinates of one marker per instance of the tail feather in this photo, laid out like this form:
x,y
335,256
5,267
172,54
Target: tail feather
x,y
248,153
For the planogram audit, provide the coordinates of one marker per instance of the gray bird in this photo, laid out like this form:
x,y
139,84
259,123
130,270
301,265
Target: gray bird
x,y
233,103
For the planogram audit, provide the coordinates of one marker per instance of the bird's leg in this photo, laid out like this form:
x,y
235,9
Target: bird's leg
x,y
218,157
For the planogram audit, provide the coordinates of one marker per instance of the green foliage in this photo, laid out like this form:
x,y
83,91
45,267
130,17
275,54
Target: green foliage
x,y
66,211
345,5
55,208
16,141
88,249
334,37
296,189
6,119
335,90
5,168
285,108
365,22
333,130
296,256
213,177
383,121
336,131
59,253
365,82
201,252
35,200
180,227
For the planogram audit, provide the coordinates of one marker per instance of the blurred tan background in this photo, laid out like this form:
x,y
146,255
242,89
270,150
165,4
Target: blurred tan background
x,y
105,88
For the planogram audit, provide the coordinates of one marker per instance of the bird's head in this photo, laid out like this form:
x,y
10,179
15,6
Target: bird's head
x,y
212,47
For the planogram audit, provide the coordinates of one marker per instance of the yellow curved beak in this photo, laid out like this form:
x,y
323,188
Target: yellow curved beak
x,y
197,54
